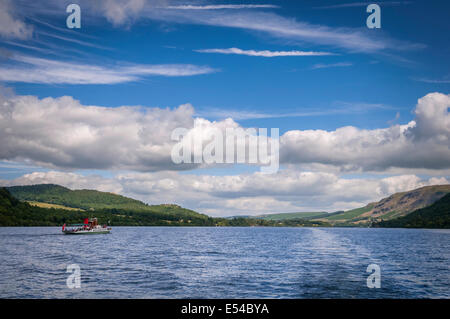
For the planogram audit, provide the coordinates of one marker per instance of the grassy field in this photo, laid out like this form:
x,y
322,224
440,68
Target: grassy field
x,y
56,196
285,216
350,214
47,205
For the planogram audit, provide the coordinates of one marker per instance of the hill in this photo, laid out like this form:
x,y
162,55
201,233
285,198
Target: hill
x,y
55,205
45,205
394,206
287,216
89,200
15,212
436,215
84,199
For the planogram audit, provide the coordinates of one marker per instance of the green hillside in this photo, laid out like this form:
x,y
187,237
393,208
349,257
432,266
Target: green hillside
x,y
286,216
435,216
93,200
53,205
84,199
350,214
18,213
392,207
14,212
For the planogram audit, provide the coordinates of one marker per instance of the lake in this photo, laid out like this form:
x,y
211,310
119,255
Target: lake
x,y
225,262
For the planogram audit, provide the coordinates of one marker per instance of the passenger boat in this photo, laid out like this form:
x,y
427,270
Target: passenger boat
x,y
89,227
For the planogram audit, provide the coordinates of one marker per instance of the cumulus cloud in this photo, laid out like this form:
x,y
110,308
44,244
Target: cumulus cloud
x,y
62,133
67,179
10,25
39,70
287,191
433,119
264,53
421,144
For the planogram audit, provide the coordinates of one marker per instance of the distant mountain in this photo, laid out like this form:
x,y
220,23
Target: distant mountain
x,y
436,215
394,206
288,216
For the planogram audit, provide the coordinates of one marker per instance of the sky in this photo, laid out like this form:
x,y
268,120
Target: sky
x,y
362,113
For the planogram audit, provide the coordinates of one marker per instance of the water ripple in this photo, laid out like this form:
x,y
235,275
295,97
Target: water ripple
x,y
211,262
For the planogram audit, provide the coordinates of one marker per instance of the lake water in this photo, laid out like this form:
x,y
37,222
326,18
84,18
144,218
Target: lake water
x,y
216,262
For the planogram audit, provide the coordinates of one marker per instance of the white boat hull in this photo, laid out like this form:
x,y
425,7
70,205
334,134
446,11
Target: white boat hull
x,y
87,232
90,227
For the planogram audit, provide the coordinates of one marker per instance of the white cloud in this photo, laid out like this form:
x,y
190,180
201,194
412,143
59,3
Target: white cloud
x,y
433,119
264,53
66,179
248,194
38,70
10,25
222,6
216,113
70,39
123,13
421,144
363,4
120,12
434,81
332,65
123,138
340,107
358,40
62,133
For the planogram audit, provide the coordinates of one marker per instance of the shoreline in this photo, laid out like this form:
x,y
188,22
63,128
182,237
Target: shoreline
x,y
199,226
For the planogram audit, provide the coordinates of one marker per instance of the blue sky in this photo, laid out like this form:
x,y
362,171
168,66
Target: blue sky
x,y
279,85
365,78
